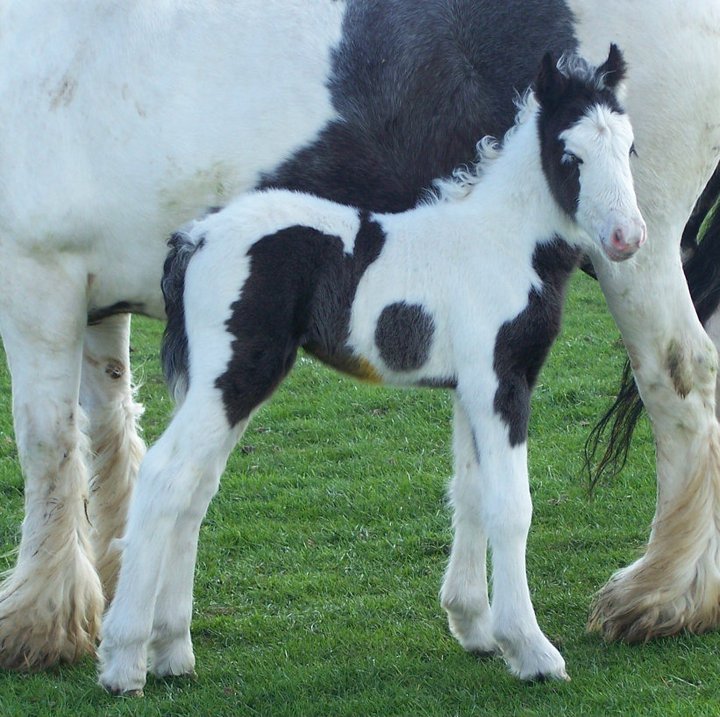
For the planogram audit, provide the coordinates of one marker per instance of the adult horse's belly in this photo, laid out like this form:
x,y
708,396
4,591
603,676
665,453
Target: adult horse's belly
x,y
126,124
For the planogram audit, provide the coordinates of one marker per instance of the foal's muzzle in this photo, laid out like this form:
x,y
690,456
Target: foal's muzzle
x,y
624,239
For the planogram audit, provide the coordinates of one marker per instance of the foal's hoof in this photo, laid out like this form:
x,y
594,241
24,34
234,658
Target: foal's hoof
x,y
125,693
191,676
474,633
540,677
122,669
534,660
173,658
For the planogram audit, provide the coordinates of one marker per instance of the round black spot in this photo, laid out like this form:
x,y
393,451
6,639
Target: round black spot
x,y
404,335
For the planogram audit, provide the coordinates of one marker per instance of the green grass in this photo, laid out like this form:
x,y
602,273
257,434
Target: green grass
x,y
322,556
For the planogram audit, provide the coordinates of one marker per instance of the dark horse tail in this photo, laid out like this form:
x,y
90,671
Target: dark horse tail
x,y
702,271
174,351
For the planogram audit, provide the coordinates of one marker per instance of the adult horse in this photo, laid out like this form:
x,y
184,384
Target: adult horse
x,y
122,120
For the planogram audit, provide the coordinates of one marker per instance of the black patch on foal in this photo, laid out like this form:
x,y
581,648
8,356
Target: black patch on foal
x,y
556,115
299,293
404,335
522,344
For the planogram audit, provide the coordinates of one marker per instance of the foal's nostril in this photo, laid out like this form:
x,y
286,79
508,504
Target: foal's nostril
x,y
618,240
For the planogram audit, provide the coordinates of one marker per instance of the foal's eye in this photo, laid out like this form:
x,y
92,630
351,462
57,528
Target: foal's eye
x,y
633,151
570,158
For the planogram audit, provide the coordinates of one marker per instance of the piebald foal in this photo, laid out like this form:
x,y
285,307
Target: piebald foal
x,y
379,297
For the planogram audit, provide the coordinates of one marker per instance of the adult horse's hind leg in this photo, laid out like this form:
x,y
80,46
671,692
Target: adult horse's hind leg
x,y
106,396
464,594
51,603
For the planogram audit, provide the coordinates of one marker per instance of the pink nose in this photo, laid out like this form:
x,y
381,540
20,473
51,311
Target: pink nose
x,y
625,241
618,241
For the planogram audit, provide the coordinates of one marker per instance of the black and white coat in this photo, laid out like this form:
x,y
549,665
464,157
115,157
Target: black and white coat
x,y
464,291
123,120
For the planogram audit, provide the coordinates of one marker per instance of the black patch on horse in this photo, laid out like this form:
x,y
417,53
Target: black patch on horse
x,y
522,345
403,336
415,85
95,316
438,382
329,330
299,293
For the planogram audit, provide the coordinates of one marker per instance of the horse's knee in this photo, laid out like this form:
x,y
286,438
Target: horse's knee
x,y
691,367
49,437
678,382
507,510
106,374
176,470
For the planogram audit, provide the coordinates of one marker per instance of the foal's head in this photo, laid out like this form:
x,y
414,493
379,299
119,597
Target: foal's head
x,y
587,142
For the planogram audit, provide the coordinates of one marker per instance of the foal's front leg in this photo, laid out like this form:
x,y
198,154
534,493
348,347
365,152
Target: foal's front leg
x,y
464,594
502,501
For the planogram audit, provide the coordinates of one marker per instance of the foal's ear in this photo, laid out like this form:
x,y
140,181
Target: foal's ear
x,y
613,70
550,83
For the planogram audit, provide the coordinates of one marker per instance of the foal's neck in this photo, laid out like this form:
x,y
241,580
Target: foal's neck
x,y
514,191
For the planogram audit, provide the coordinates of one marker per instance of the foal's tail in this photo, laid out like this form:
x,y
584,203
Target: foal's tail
x,y
174,351
702,271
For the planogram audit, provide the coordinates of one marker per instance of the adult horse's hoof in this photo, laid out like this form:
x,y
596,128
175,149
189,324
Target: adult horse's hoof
x,y
48,619
631,609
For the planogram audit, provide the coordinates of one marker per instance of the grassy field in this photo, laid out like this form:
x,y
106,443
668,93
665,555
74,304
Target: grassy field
x,y
322,556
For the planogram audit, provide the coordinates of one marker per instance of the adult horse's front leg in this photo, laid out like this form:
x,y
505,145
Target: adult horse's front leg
x,y
676,584
673,96
51,603
106,396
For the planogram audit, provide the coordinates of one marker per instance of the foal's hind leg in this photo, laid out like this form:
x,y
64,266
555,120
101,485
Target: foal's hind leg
x,y
185,464
51,603
170,649
106,396
464,593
